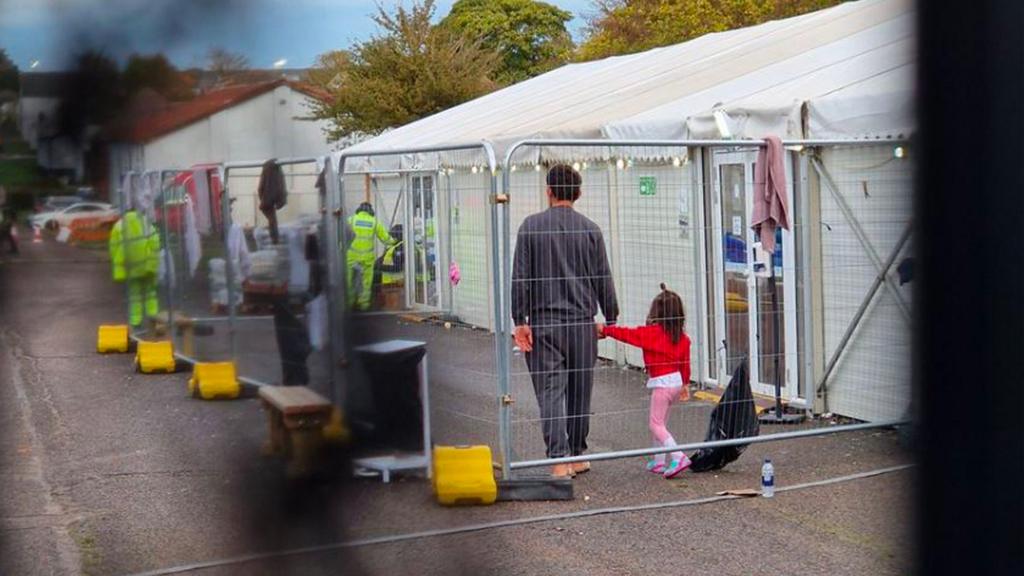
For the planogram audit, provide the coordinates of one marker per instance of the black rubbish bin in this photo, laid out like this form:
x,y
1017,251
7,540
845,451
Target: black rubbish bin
x,y
393,376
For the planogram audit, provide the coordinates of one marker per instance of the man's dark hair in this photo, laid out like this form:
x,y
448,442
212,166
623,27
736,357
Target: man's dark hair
x,y
365,207
564,182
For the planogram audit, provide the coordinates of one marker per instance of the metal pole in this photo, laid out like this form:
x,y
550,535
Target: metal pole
x,y
699,267
168,261
714,444
126,193
335,289
859,232
229,271
855,322
594,142
807,281
502,316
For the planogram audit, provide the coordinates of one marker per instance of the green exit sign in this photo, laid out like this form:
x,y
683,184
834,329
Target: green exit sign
x,y
648,185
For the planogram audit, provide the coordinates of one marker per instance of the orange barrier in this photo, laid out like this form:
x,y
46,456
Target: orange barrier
x,y
91,229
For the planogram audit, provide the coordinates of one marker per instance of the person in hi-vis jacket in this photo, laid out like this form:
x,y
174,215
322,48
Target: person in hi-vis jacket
x,y
135,259
364,230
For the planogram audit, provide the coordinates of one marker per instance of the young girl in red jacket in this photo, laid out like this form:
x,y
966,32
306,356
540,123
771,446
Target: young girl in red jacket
x,y
667,358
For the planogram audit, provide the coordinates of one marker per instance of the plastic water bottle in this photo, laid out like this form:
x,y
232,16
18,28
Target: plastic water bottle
x,y
767,479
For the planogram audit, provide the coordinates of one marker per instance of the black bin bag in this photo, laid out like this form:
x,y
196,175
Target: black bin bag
x,y
733,417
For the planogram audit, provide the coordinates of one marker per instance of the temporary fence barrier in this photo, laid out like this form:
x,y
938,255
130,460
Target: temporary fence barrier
x,y
431,266
822,323
823,320
267,287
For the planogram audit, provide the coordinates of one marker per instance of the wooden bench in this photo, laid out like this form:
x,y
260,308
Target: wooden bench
x,y
296,416
183,325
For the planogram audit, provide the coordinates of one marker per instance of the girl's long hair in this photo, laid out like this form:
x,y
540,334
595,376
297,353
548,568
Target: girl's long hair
x,y
668,312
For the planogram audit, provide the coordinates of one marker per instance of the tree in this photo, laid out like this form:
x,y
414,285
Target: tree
x,y
225,63
91,95
410,69
156,72
530,36
8,73
627,26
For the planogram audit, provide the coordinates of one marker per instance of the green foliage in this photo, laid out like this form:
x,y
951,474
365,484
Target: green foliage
x,y
627,26
8,73
156,72
530,36
409,70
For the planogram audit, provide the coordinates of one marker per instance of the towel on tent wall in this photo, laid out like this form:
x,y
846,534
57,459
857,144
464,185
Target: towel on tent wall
x,y
273,194
770,206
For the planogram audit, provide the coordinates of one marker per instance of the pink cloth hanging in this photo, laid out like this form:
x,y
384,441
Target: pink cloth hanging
x,y
770,207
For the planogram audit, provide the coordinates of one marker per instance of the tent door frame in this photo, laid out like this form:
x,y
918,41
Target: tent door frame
x,y
716,282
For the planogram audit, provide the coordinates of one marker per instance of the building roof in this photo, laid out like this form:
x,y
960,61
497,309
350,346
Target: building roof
x,y
144,127
864,46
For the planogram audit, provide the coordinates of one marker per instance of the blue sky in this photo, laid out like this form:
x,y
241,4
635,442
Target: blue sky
x,y
50,31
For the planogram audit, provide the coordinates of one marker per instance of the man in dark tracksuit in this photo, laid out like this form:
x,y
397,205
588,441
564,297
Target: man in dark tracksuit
x,y
560,276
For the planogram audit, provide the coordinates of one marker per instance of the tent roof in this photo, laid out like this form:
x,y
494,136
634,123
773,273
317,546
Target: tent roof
x,y
650,94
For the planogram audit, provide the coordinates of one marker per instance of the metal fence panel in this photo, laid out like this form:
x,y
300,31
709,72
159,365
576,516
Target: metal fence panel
x,y
681,213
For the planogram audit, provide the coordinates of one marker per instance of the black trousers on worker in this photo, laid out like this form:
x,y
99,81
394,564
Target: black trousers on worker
x,y
562,369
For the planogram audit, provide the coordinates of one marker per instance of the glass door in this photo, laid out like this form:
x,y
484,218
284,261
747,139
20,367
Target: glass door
x,y
425,271
750,290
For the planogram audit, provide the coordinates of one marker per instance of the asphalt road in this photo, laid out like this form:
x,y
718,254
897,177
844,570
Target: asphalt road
x,y
104,471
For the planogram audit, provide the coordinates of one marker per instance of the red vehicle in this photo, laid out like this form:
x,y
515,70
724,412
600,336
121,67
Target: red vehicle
x,y
184,183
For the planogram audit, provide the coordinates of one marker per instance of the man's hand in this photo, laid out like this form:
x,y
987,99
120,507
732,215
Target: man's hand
x,y
599,326
523,337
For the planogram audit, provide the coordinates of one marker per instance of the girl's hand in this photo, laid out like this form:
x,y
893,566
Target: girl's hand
x,y
684,394
523,336
599,326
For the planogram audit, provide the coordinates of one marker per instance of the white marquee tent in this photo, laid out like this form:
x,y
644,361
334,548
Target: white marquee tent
x,y
836,60
842,73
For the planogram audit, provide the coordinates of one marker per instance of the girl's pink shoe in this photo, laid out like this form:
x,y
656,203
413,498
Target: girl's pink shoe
x,y
655,466
677,467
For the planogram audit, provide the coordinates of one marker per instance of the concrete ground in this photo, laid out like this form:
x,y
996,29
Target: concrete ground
x,y
104,471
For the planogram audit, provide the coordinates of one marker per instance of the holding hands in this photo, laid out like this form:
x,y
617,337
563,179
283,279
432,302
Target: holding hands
x,y
523,336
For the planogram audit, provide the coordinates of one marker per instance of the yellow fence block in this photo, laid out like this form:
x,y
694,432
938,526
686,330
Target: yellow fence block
x,y
335,430
155,357
214,381
464,475
112,338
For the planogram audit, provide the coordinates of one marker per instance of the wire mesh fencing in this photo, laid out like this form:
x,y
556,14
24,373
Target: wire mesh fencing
x,y
415,253
794,314
272,284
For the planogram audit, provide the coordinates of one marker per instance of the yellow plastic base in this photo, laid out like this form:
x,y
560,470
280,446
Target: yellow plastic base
x,y
214,381
112,338
155,357
464,475
335,430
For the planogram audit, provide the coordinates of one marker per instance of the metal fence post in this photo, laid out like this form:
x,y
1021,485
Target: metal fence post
x,y
168,261
229,272
335,288
127,187
502,316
